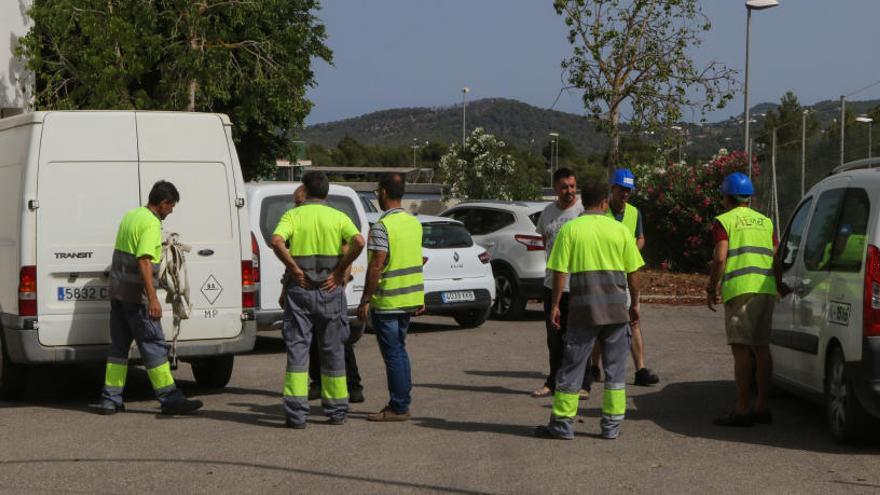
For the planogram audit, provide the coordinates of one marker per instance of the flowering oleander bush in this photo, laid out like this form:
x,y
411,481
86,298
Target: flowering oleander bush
x,y
678,203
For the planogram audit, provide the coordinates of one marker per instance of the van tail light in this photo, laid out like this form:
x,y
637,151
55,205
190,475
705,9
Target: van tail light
x,y
248,286
424,259
531,242
27,291
484,257
255,257
871,313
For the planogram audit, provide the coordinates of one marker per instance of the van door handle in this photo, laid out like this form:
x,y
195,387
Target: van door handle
x,y
206,252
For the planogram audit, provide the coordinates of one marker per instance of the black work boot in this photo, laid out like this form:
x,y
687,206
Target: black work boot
x,y
185,406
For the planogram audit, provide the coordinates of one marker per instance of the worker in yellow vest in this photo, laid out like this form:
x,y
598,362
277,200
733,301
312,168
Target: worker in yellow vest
x,y
135,310
316,306
623,182
744,264
394,291
599,258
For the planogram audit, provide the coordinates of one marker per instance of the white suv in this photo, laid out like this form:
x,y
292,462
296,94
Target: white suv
x,y
825,337
506,229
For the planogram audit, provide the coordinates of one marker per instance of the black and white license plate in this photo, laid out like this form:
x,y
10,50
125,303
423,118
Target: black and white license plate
x,y
457,296
83,293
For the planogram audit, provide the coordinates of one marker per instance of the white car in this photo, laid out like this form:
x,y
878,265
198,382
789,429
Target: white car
x,y
825,337
458,275
506,229
268,201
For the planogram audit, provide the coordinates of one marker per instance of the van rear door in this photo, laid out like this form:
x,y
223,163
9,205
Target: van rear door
x,y
190,151
87,179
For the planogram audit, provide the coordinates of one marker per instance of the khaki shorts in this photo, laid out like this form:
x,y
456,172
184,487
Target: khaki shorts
x,y
747,319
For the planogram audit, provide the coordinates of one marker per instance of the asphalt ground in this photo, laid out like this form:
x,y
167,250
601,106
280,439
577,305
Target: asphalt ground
x,y
471,432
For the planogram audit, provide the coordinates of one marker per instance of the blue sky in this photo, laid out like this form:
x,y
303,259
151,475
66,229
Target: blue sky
x,y
408,53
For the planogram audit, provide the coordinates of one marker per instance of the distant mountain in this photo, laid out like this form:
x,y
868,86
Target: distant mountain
x,y
519,124
527,127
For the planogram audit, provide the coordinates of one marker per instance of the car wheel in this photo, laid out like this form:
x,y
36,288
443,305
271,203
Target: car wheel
x,y
13,377
847,419
509,303
472,318
213,372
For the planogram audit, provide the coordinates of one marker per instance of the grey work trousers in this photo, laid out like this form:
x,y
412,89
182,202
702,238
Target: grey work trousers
x,y
579,342
315,313
131,321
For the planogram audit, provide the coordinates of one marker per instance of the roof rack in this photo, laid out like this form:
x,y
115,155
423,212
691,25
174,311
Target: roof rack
x,y
497,202
857,164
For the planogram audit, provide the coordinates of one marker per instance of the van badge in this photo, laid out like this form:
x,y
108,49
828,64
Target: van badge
x,y
211,289
74,255
455,256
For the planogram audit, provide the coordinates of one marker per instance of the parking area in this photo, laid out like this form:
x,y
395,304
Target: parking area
x,y
471,430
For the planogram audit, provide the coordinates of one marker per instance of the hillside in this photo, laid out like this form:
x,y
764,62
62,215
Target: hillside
x,y
527,127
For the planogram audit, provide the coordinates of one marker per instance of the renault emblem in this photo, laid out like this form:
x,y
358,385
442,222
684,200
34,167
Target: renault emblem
x,y
455,256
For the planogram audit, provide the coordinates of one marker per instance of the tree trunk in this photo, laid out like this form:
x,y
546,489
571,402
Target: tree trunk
x,y
193,86
613,155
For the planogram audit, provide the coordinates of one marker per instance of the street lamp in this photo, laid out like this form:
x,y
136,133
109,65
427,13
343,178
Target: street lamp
x,y
804,114
750,6
464,91
867,120
415,147
554,151
682,133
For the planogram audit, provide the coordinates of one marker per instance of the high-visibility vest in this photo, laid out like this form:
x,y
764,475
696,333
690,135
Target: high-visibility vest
x,y
598,252
401,284
316,233
749,268
139,234
630,218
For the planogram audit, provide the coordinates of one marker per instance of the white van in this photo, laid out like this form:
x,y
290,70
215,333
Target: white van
x,y
66,179
825,337
268,201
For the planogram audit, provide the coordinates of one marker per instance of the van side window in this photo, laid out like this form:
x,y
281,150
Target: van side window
x,y
817,250
791,241
848,245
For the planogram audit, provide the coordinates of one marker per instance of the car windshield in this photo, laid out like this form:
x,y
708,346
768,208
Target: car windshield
x,y
275,206
445,236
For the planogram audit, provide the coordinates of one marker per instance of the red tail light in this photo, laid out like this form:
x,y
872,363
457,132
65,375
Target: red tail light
x,y
255,257
27,291
484,257
531,242
871,313
248,286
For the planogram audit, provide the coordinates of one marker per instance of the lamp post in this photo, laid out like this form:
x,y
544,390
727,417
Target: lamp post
x,y
464,91
804,148
867,120
554,152
680,131
750,6
415,147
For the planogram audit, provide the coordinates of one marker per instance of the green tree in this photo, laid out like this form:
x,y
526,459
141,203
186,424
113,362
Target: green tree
x,y
485,169
634,54
250,60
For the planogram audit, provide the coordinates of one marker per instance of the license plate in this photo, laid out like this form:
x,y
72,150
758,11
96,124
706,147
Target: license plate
x,y
457,296
83,293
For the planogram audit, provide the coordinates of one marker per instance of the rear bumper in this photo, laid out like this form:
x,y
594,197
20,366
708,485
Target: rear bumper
x,y
532,288
866,375
270,319
24,347
434,303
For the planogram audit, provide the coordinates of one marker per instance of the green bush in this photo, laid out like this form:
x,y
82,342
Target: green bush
x,y
678,203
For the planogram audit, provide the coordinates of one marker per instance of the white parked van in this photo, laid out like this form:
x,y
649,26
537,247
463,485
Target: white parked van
x,y
825,337
66,179
268,201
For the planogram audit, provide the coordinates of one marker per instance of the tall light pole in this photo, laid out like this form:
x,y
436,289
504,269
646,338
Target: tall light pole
x,y
750,6
415,147
842,124
803,148
464,91
864,119
554,152
678,129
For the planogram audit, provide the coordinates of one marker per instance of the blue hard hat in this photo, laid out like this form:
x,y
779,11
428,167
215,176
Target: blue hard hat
x,y
737,184
623,177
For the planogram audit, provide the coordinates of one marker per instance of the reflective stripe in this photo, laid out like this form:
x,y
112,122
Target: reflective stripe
x,y
115,374
748,271
160,376
402,271
400,291
296,384
565,405
614,402
749,249
333,387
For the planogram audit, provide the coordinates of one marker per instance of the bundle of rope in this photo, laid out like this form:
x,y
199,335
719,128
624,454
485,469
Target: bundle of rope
x,y
174,278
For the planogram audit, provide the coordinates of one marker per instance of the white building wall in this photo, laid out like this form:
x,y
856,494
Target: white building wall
x,y
14,82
